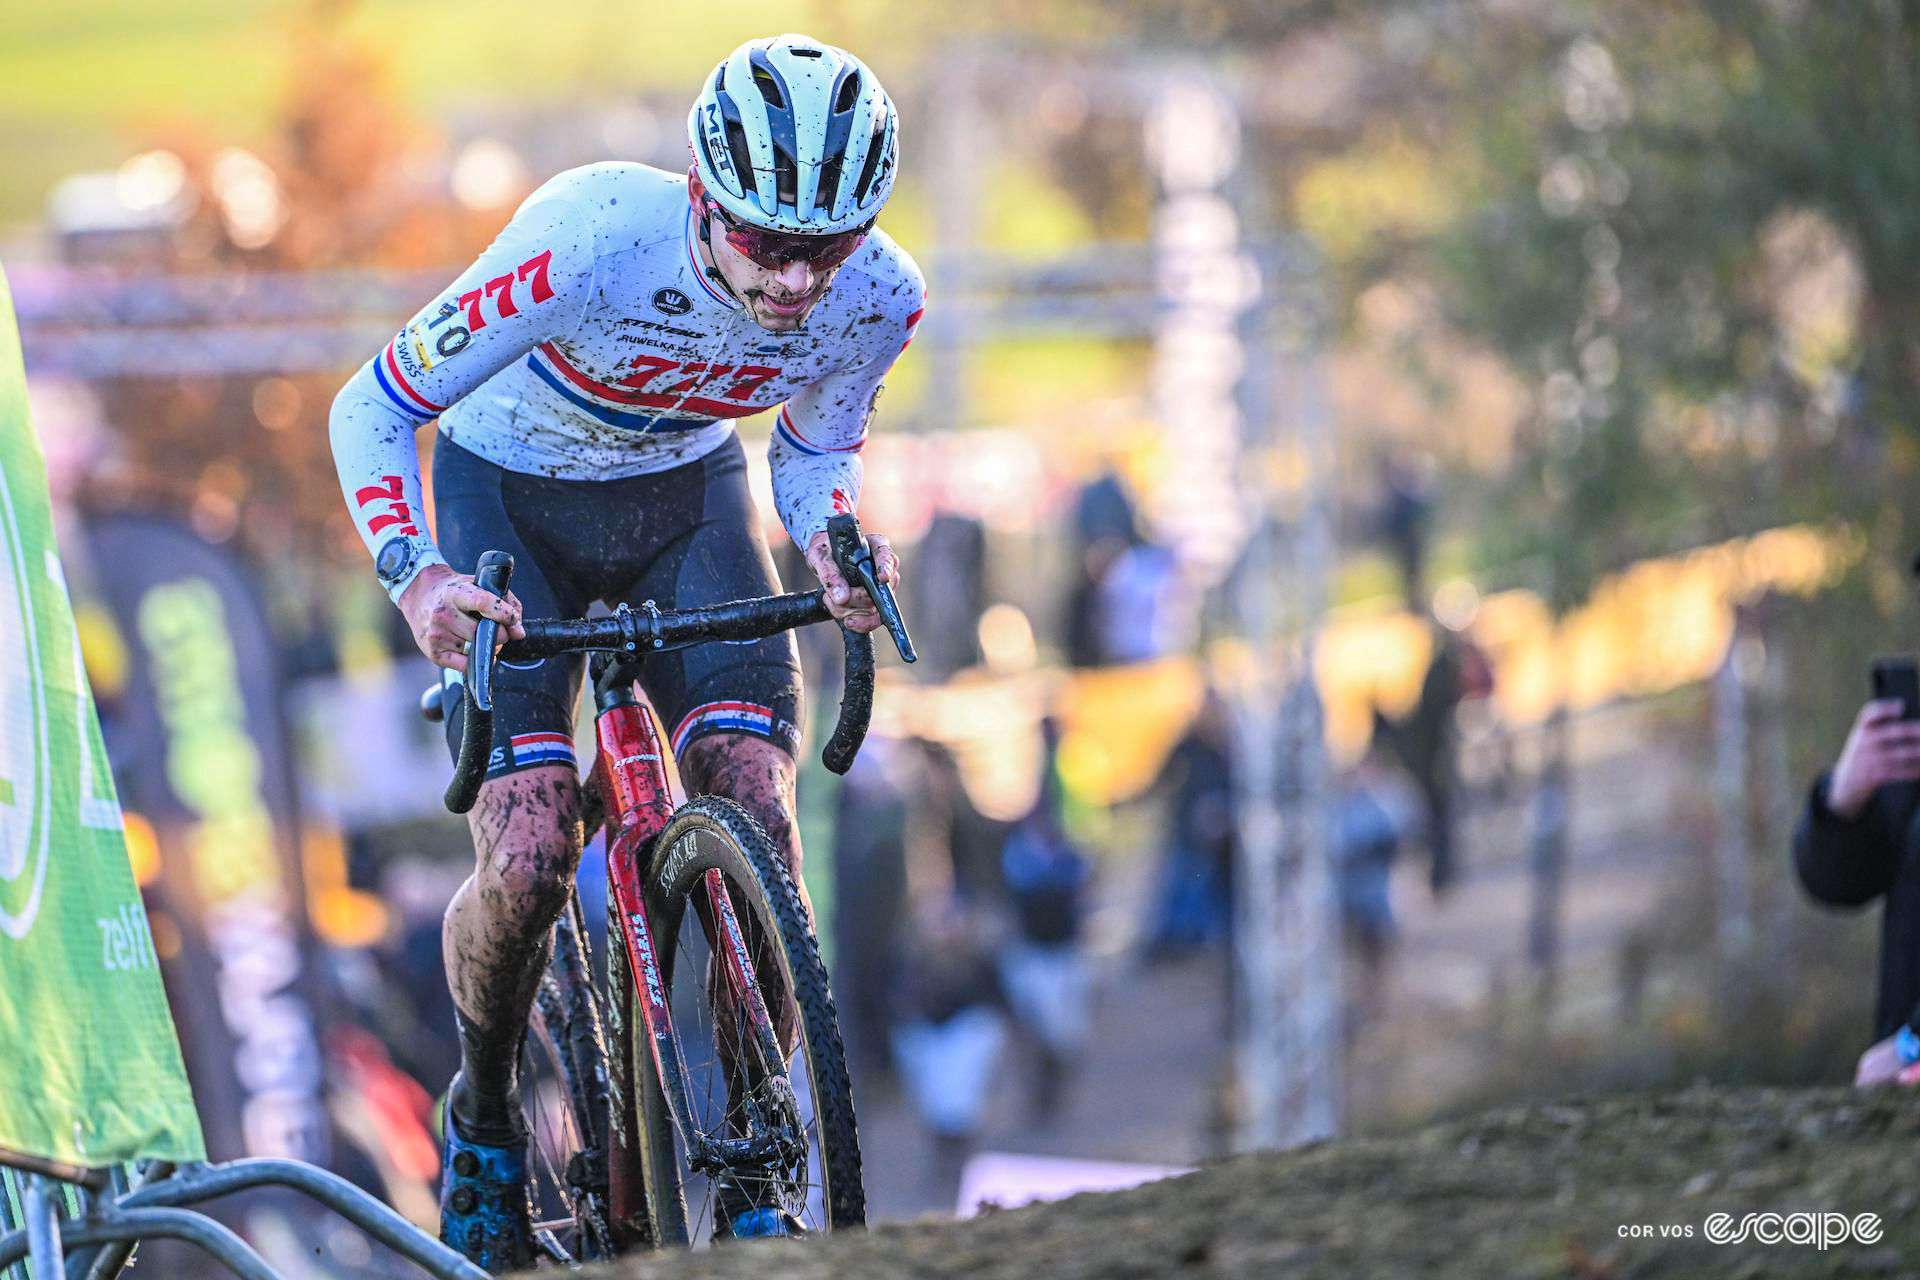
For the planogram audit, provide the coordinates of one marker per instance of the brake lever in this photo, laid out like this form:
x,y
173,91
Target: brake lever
x,y
493,573
855,558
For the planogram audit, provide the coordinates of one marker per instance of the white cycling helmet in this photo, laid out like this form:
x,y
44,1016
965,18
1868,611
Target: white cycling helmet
x,y
795,136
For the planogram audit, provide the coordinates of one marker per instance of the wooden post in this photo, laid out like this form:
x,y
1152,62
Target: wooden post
x,y
1733,930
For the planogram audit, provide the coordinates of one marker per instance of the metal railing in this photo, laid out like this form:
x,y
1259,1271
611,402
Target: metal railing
x,y
97,1242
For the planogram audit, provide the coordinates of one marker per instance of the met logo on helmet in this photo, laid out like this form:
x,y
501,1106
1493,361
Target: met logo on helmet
x,y
671,302
717,144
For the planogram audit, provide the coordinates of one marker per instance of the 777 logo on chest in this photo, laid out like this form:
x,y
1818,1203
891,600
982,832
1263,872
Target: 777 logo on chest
x,y
731,381
714,388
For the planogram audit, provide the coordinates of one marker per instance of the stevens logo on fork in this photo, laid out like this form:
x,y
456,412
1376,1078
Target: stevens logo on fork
x,y
650,970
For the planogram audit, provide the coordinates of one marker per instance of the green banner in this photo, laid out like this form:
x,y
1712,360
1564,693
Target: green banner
x,y
90,1070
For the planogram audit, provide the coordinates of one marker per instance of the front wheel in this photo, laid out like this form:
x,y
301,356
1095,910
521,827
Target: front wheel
x,y
736,1095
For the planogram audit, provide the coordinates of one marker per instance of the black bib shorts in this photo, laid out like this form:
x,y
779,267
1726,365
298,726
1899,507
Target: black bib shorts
x,y
681,538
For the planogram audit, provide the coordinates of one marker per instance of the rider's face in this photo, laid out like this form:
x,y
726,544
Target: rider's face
x,y
778,299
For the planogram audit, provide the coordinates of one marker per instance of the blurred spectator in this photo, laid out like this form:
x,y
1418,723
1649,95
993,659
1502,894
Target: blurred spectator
x,y
1406,511
949,1026
948,593
1144,606
1085,644
953,822
1130,601
1194,904
870,878
1104,526
1043,966
388,1116
1369,824
1857,841
1427,739
1105,510
416,1013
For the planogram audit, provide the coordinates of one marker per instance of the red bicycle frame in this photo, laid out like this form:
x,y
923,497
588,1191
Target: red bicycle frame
x,y
631,773
630,779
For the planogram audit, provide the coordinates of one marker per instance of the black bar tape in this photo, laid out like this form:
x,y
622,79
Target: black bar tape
x,y
476,731
856,705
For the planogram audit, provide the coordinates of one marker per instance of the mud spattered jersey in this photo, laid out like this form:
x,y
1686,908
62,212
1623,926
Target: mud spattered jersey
x,y
589,342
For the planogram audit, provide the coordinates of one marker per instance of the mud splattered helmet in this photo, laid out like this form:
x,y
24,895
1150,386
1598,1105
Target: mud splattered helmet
x,y
794,136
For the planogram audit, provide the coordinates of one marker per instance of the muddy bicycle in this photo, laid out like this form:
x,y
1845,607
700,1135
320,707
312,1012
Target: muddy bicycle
x,y
708,1077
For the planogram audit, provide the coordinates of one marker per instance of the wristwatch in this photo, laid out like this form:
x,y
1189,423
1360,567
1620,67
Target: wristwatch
x,y
399,559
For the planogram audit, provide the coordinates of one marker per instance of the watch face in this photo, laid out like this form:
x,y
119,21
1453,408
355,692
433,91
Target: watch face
x,y
393,560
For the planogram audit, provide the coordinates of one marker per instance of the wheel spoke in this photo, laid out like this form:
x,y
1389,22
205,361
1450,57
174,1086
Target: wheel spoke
x,y
552,1107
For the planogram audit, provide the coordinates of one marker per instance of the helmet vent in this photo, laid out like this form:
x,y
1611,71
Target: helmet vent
x,y
786,176
849,91
804,53
872,165
742,158
769,88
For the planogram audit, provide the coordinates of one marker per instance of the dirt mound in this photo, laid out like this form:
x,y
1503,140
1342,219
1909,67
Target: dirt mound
x,y
1537,1191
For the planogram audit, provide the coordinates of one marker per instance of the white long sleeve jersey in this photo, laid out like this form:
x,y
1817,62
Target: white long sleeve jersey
x,y
588,343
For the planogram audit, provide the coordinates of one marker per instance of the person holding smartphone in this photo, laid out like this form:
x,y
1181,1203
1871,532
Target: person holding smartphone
x,y
1857,842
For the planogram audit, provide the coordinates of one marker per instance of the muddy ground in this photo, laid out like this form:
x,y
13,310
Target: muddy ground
x,y
1532,1192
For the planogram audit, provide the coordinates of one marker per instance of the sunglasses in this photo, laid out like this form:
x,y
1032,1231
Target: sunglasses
x,y
775,249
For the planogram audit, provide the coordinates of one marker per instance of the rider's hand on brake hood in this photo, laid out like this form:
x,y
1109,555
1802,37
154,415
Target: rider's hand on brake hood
x,y
849,604
441,607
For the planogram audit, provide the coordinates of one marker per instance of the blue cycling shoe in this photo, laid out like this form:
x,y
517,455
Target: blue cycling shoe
x,y
757,1224
485,1212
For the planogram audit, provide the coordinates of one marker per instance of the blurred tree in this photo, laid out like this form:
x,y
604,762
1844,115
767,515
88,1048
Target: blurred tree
x,y
1634,204
345,180
1691,232
1667,199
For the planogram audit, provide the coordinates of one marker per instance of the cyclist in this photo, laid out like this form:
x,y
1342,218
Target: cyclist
x,y
586,372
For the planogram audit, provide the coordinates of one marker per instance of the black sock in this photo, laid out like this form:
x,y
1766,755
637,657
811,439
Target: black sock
x,y
486,1096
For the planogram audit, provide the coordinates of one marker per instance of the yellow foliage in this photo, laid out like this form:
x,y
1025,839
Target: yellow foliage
x,y
1120,723
1347,201
1658,625
1368,659
1655,626
342,915
1026,214
143,848
1050,381
103,650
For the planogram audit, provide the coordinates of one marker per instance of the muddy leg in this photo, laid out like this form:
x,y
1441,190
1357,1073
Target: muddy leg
x,y
498,932
760,778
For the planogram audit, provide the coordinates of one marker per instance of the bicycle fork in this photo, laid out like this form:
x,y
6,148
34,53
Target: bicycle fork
x,y
635,780
633,776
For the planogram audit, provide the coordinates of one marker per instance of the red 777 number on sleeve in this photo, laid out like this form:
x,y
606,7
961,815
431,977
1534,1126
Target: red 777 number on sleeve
x,y
533,272
397,512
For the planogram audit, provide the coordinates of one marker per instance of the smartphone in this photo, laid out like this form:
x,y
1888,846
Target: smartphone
x,y
1898,678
